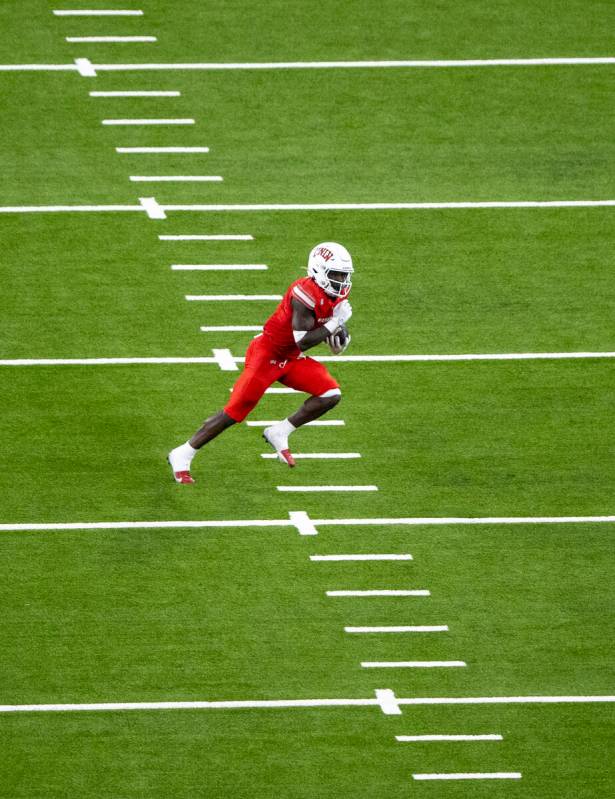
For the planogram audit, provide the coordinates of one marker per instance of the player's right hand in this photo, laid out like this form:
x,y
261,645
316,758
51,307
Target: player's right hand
x,y
342,312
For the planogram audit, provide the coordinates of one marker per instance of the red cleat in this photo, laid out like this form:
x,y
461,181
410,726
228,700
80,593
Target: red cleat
x,y
183,477
286,456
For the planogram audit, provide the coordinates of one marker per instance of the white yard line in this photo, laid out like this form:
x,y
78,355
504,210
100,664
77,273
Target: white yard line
x,y
412,628
130,150
398,64
421,738
176,178
219,268
161,121
360,557
385,699
474,775
400,206
412,664
136,94
499,356
317,456
335,488
280,390
232,329
101,361
209,237
36,209
382,592
152,209
299,518
284,207
317,423
231,297
83,12
110,39
465,520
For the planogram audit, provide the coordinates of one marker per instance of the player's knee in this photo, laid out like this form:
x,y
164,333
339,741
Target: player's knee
x,y
331,398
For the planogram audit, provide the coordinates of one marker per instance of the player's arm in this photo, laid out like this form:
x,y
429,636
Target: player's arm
x,y
306,334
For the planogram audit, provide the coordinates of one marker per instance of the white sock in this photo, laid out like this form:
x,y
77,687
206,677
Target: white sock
x,y
185,453
188,450
285,427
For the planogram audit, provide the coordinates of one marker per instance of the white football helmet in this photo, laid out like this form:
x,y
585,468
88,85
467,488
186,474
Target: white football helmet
x,y
327,258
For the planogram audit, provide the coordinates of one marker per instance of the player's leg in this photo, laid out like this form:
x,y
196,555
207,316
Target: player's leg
x,y
307,375
315,406
181,457
246,393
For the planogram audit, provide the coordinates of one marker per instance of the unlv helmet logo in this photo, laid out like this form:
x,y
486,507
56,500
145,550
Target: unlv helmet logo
x,y
324,253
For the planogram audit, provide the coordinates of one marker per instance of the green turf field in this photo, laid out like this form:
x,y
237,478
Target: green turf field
x,y
236,610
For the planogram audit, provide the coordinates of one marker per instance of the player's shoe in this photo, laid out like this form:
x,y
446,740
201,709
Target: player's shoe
x,y
279,442
181,469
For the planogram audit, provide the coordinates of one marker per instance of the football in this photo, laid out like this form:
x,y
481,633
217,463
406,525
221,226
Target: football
x,y
339,340
342,334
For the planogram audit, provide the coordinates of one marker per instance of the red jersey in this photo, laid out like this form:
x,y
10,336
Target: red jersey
x,y
278,329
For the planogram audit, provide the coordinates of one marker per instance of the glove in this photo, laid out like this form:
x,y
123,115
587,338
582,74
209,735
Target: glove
x,y
341,314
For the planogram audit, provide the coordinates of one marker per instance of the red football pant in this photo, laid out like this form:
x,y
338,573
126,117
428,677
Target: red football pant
x,y
262,369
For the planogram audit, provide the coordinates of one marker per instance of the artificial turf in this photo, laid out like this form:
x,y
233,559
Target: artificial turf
x,y
242,613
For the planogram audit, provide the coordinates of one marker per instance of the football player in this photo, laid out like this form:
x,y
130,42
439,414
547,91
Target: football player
x,y
314,309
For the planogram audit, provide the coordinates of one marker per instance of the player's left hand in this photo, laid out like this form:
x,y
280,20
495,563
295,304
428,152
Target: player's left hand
x,y
339,341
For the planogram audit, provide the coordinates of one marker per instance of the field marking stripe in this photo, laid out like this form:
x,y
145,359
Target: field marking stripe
x,y
32,209
414,628
154,212
392,64
417,738
317,423
108,39
298,207
316,455
384,696
152,208
100,361
412,664
382,592
136,94
302,522
471,775
225,360
175,178
231,329
208,237
150,121
231,298
87,12
399,206
361,557
127,525
219,267
328,488
506,356
455,520
162,149
151,525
